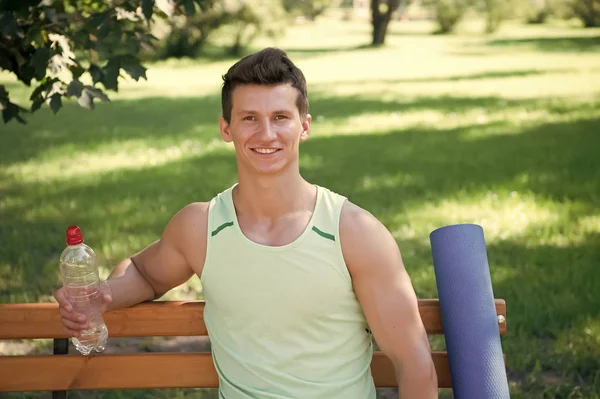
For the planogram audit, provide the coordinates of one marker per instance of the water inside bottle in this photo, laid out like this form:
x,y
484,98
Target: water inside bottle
x,y
87,300
93,339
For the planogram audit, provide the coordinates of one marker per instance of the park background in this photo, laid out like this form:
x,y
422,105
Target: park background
x,y
469,111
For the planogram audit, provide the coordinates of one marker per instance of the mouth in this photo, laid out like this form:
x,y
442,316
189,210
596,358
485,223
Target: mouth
x,y
265,151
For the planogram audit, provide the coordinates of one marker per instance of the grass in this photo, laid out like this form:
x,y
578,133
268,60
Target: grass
x,y
499,130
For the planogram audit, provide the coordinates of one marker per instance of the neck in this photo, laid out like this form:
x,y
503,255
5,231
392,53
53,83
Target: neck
x,y
272,196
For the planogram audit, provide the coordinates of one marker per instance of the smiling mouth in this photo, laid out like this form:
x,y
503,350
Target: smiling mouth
x,y
265,150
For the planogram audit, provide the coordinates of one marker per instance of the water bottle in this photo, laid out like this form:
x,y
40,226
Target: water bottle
x,y
81,280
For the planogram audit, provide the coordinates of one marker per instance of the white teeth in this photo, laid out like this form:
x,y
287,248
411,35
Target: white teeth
x,y
265,150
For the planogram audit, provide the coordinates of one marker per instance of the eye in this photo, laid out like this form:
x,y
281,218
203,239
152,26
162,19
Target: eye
x,y
248,118
280,117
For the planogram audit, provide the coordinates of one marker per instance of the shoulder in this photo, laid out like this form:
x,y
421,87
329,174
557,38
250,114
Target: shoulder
x,y
357,222
365,240
188,225
191,215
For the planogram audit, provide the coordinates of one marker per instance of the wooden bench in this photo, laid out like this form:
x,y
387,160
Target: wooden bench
x,y
59,372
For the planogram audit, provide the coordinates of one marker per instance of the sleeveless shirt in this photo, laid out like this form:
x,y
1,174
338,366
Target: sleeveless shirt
x,y
284,321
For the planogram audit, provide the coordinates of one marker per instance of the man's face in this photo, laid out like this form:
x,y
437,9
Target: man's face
x,y
265,127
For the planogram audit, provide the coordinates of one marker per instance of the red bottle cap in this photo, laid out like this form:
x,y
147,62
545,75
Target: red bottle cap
x,y
74,235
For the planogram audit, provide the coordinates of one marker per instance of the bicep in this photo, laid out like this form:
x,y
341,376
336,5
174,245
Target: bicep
x,y
171,260
162,265
384,288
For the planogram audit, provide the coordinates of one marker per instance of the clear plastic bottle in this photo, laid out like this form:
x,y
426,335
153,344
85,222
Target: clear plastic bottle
x,y
81,280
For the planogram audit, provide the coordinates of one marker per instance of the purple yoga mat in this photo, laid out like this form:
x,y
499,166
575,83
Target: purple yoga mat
x,y
468,312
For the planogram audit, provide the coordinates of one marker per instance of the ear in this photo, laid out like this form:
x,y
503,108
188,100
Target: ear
x,y
224,129
306,127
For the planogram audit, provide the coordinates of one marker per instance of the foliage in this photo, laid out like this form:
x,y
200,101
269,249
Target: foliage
x,y
65,48
189,34
448,13
251,20
588,11
537,11
310,9
495,12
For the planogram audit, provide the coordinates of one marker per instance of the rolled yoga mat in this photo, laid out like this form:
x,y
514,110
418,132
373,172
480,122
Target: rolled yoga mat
x,y
468,313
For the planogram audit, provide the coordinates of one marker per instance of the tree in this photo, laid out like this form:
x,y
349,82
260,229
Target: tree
x,y
495,13
310,9
188,34
381,14
537,11
448,13
66,48
588,11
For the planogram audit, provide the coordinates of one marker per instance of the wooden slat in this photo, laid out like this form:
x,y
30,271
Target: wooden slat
x,y
147,370
159,318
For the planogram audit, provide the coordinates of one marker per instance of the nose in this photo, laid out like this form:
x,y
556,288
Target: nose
x,y
268,130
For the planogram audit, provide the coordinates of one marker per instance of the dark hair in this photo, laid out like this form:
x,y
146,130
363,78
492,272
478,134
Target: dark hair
x,y
270,66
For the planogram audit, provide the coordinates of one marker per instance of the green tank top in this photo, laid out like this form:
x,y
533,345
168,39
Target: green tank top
x,y
284,321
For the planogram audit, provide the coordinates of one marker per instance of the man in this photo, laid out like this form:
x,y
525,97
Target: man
x,y
295,277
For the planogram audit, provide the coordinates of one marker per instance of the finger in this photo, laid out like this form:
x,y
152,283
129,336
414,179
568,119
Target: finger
x,y
77,317
62,300
72,333
74,325
107,298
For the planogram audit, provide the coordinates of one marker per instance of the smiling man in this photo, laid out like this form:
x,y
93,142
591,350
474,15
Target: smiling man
x,y
296,278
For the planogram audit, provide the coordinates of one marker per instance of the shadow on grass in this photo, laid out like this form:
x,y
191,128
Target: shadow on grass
x,y
327,50
459,78
158,120
155,120
585,44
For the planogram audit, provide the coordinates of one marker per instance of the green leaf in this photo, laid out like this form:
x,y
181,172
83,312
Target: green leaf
x,y
8,25
97,19
77,70
96,73
133,67
36,96
34,34
75,88
189,7
5,61
147,8
104,29
111,74
11,111
39,62
55,103
37,103
3,94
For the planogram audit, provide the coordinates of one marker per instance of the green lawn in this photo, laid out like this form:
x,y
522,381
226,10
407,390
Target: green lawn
x,y
501,130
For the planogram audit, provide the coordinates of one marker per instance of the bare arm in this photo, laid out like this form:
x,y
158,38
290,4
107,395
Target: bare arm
x,y
388,299
164,264
147,275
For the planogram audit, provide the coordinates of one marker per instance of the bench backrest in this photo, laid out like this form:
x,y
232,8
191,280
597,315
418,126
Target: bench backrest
x,y
150,370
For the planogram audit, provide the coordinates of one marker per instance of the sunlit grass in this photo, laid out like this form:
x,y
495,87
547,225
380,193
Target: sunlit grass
x,y
502,215
122,155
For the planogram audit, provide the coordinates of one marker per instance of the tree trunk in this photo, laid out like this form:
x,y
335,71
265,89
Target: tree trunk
x,y
381,20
